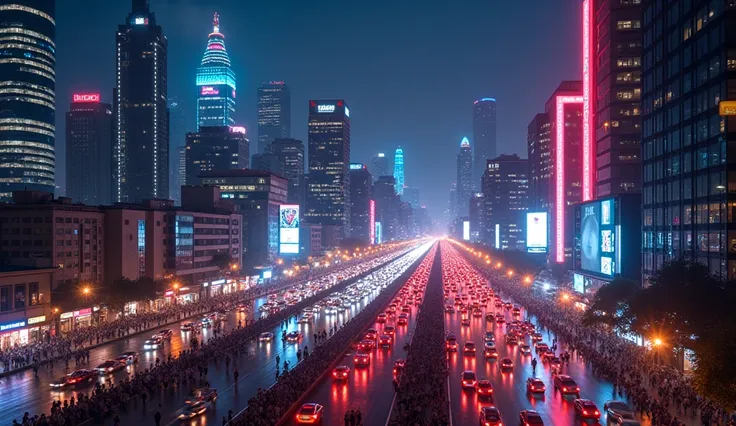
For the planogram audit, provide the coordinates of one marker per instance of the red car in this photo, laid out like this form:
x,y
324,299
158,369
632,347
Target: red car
x,y
469,379
341,372
535,385
530,418
361,360
485,388
586,409
451,343
389,329
507,364
310,413
384,340
489,416
566,385
403,319
469,348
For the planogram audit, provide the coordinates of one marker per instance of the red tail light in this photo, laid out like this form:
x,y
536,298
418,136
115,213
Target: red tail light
x,y
564,389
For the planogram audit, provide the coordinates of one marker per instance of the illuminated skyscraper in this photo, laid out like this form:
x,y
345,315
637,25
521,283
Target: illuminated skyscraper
x,y
484,136
215,82
140,109
379,165
274,113
27,87
399,171
464,177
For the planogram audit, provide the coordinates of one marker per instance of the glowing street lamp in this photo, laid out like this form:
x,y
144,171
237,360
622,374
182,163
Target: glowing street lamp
x,y
510,273
657,341
527,279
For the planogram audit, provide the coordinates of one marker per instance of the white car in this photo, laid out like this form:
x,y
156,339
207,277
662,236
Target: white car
x,y
265,337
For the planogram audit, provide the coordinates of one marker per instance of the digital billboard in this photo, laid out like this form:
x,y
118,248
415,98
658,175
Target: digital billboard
x,y
466,230
289,229
379,233
597,235
372,221
536,232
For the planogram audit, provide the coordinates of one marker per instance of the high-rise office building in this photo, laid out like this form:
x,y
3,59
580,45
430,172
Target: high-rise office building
x,y
388,204
181,168
687,128
506,198
327,197
379,165
484,135
399,171
614,30
539,150
361,185
213,148
464,177
215,82
89,150
266,161
290,153
274,113
411,196
476,215
27,96
177,135
140,109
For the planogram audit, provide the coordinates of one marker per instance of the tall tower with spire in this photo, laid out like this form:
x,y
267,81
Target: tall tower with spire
x,y
464,177
399,171
215,82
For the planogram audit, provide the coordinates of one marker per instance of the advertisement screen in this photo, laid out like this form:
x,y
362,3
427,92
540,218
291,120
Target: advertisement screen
x,y
578,283
466,230
536,232
597,235
289,229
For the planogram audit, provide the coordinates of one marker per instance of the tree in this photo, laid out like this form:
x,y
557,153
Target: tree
x,y
611,305
715,371
124,290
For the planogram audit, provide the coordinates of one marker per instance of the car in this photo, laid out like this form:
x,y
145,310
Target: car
x,y
266,336
489,416
490,317
469,380
620,413
304,320
484,388
153,343
403,319
555,365
122,359
586,409
465,322
309,413
164,334
477,313
205,322
469,348
536,337
547,355
566,385
60,383
507,305
294,336
385,340
340,372
500,319
205,394
507,364
540,346
399,365
489,337
241,307
451,343
82,376
193,410
535,385
525,349
389,329
381,318
530,418
132,357
449,309
490,351
511,339
189,326
516,312
371,334
624,419
366,344
361,359
110,366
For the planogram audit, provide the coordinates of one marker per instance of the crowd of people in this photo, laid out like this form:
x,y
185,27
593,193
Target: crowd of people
x,y
189,369
422,392
658,392
268,406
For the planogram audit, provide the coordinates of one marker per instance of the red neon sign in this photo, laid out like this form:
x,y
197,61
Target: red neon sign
x,y
560,201
588,113
209,90
372,221
86,97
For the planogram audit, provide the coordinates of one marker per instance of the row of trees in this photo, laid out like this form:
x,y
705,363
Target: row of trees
x,y
683,307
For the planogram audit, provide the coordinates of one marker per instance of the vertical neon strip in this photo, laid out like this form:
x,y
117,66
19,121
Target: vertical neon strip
x,y
588,161
372,221
560,201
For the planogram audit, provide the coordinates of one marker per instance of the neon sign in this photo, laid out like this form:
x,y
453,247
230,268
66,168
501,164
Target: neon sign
x,y
12,325
326,108
356,166
372,221
86,97
140,20
588,114
237,129
560,203
209,90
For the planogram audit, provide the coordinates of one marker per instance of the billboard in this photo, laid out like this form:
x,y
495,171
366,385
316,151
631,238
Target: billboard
x,y
289,229
372,221
466,230
597,234
536,232
379,233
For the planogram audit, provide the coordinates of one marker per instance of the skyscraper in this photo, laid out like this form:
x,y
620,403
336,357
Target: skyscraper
x,y
506,198
361,185
181,168
89,150
216,148
274,113
411,196
27,96
379,165
290,153
266,161
539,150
464,177
387,206
484,135
328,198
399,171
215,82
141,113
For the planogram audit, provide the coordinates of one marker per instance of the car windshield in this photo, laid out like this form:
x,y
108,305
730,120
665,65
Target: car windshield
x,y
618,406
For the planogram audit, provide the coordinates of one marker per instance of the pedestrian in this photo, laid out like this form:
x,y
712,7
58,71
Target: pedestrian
x,y
157,416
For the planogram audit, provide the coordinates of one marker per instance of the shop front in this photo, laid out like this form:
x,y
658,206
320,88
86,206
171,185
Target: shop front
x,y
74,320
22,332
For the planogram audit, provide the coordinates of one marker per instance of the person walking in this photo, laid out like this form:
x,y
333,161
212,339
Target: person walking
x,y
157,416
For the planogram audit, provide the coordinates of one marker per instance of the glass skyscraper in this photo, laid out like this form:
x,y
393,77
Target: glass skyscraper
x,y
274,113
27,95
464,177
215,82
484,136
399,171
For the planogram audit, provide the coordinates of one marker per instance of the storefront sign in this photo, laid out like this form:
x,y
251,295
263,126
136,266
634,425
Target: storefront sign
x,y
36,320
67,315
83,312
12,325
218,282
169,293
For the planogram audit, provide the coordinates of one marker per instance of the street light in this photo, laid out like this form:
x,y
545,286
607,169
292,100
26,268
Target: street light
x,y
510,273
527,279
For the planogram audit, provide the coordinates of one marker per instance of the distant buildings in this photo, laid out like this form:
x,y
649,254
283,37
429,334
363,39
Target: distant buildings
x,y
215,149
89,150
476,215
399,171
361,185
506,198
539,150
290,153
464,177
387,207
411,196
27,79
215,83
266,161
327,197
484,136
274,113
379,165
141,114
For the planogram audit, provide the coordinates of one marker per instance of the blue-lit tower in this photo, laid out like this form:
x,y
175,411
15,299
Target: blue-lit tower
x,y
215,82
399,171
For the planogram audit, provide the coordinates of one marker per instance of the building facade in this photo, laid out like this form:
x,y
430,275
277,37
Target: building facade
x,y
266,161
484,135
464,177
399,171
387,207
25,306
89,150
328,196
506,198
215,148
361,186
290,153
539,150
28,96
274,113
379,165
141,112
215,83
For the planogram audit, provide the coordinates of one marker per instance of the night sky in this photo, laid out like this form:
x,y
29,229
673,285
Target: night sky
x,y
409,69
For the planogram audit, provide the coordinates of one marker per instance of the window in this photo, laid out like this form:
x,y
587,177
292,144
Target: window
x,y
5,300
20,296
33,294
628,25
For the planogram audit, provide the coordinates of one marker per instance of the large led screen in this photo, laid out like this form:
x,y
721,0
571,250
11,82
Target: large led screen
x,y
289,229
598,237
536,232
466,230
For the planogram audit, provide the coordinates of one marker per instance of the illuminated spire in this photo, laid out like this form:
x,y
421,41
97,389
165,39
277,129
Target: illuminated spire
x,y
215,54
465,143
216,23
